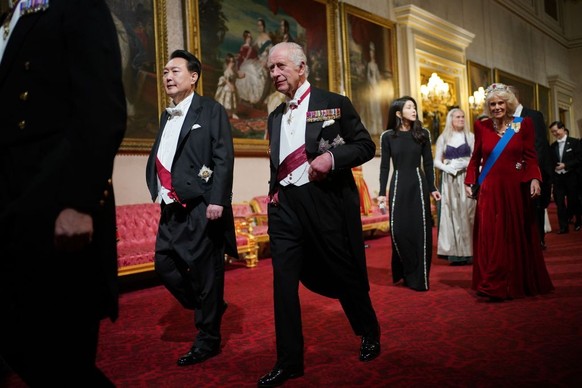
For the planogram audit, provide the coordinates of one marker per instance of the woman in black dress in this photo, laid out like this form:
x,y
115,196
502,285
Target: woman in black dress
x,y
407,145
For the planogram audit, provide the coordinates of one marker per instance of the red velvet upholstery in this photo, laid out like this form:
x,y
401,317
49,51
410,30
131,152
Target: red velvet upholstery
x,y
137,226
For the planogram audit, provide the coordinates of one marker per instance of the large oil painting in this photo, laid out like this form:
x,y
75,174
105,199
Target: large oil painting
x,y
233,42
142,38
370,62
527,89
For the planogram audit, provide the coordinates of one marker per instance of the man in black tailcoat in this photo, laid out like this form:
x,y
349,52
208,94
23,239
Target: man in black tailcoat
x,y
63,119
315,229
190,171
567,159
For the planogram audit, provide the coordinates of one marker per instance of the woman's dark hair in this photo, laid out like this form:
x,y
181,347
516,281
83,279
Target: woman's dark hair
x,y
394,122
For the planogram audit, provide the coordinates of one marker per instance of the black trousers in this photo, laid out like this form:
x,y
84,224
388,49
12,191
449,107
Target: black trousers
x,y
49,325
566,198
308,232
189,260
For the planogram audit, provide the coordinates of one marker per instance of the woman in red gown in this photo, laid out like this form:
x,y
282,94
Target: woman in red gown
x,y
508,258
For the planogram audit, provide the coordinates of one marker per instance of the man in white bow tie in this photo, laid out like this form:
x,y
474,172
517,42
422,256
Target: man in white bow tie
x,y
567,160
315,228
190,172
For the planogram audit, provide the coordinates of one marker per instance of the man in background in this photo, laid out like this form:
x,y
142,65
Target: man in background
x,y
542,147
63,119
190,171
567,159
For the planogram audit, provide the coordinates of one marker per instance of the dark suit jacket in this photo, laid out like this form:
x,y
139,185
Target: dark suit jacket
x,y
542,147
358,149
205,140
63,119
572,156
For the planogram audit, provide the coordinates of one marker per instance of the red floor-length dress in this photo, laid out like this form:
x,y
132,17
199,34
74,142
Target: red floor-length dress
x,y
508,259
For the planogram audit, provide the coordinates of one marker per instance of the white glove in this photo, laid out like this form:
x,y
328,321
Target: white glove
x,y
459,163
449,169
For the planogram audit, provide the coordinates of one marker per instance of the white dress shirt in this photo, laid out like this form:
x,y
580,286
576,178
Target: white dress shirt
x,y
293,136
169,142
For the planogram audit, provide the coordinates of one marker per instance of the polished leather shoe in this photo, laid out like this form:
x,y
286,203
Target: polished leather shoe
x,y
370,347
577,227
197,355
563,231
277,376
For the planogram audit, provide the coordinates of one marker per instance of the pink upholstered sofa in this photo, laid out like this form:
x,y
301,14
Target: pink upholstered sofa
x,y
137,226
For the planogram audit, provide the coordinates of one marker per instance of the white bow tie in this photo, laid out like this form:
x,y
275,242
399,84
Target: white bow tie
x,y
174,112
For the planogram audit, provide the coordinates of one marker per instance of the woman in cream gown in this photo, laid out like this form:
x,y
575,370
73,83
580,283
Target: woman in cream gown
x,y
251,86
457,212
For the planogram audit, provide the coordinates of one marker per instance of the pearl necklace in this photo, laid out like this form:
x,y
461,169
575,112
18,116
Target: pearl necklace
x,y
500,131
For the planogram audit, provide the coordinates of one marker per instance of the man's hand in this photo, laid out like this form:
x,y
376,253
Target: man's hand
x,y
73,230
214,212
535,188
320,167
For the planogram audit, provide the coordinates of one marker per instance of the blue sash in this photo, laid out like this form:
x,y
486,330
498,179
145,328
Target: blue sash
x,y
499,147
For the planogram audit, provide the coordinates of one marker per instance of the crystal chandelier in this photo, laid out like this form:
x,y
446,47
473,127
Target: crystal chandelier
x,y
477,100
435,92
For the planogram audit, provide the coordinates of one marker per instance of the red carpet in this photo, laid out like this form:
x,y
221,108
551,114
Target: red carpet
x,y
445,337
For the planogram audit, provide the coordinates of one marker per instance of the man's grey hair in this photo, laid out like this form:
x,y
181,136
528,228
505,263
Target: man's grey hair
x,y
296,54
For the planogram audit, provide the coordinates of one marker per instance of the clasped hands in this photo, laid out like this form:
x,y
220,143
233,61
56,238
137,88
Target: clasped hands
x,y
454,166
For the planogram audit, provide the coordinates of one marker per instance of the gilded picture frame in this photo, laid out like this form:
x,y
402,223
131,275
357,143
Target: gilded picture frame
x,y
370,62
543,103
141,27
229,57
478,76
527,89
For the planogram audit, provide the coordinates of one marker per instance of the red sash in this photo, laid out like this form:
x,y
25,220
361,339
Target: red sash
x,y
291,162
288,165
166,180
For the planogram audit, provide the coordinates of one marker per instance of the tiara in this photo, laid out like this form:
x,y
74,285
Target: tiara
x,y
496,88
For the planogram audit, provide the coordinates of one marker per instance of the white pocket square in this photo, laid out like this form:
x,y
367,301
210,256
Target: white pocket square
x,y
195,126
327,123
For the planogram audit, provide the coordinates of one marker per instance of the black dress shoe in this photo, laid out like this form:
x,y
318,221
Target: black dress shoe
x,y
197,355
577,227
563,231
370,347
277,376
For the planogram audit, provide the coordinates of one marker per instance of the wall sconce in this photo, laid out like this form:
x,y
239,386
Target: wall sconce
x,y
477,100
435,94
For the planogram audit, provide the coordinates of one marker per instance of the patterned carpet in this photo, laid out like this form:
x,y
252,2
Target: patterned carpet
x,y
446,337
